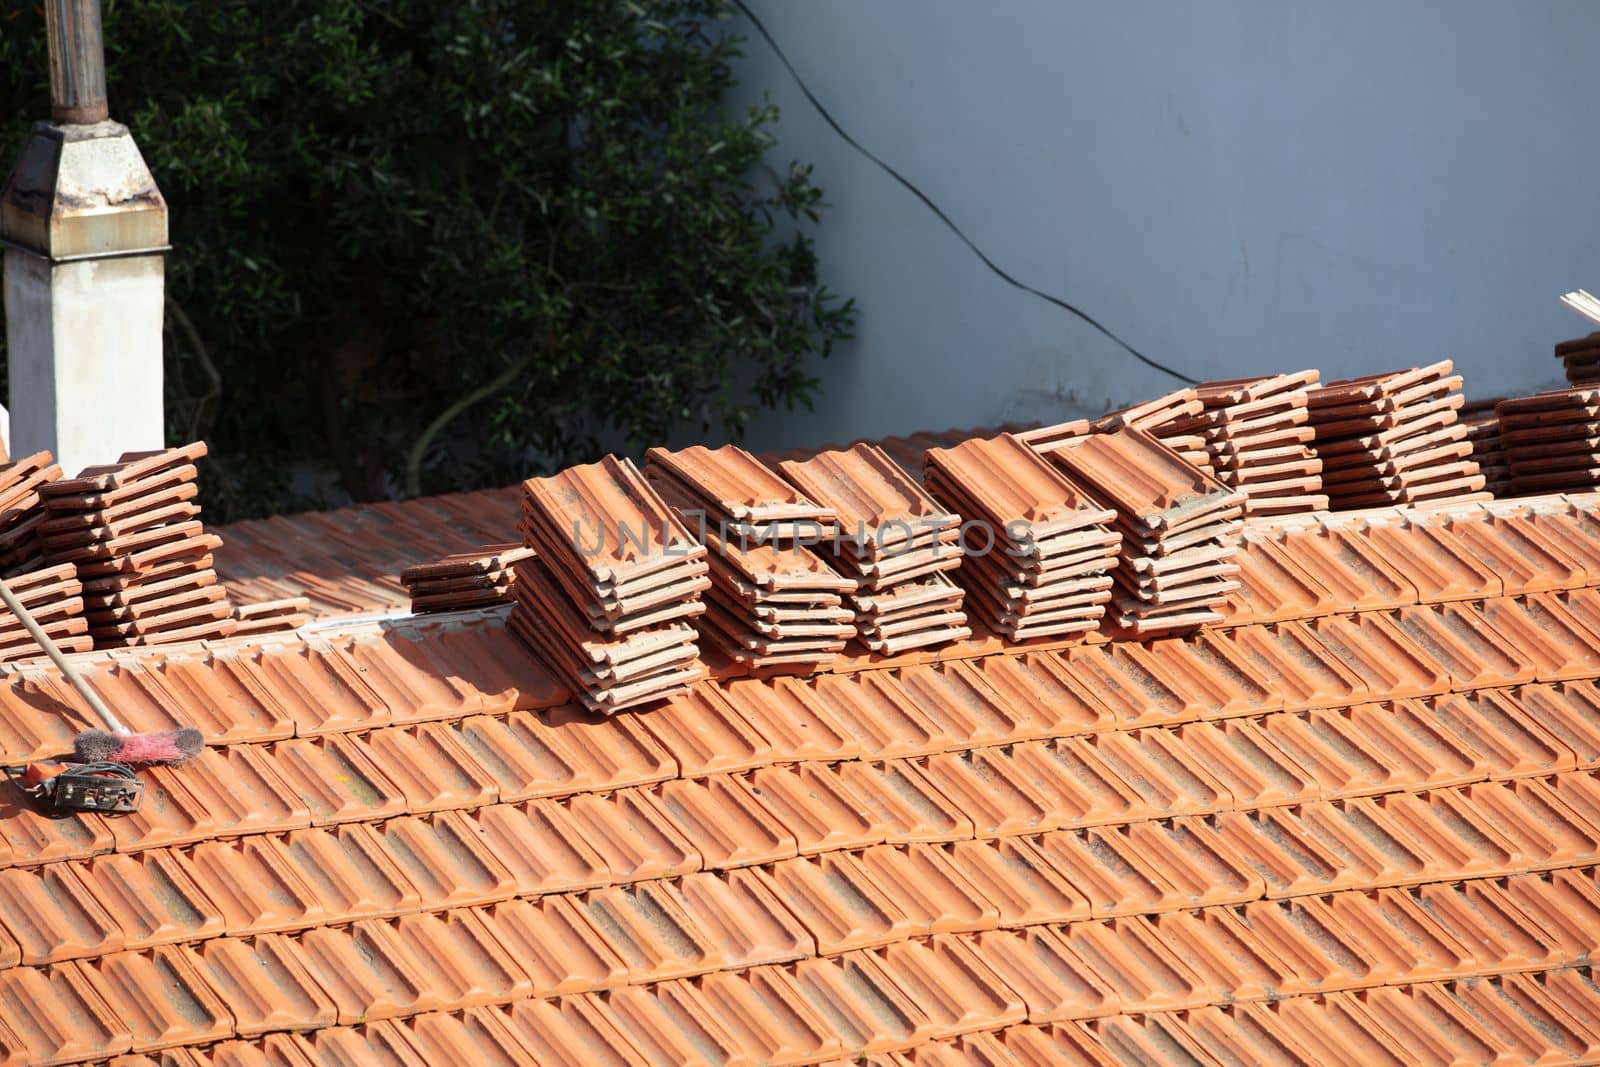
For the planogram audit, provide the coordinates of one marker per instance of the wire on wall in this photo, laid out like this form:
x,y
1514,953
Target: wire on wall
x,y
939,212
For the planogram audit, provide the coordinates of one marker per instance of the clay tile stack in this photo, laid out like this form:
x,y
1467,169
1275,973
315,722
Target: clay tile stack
x,y
462,581
773,603
1482,420
607,597
1552,440
1046,439
54,596
731,492
271,616
1038,548
1256,436
1154,417
895,542
1168,418
1180,530
1394,438
22,511
1581,358
134,533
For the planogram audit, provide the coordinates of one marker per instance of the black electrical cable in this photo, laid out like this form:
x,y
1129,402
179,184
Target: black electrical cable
x,y
939,213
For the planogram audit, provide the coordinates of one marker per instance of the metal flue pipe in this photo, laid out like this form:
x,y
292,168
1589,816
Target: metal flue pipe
x,y
77,61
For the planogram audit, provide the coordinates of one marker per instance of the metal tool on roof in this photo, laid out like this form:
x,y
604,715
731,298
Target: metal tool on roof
x,y
105,787
114,744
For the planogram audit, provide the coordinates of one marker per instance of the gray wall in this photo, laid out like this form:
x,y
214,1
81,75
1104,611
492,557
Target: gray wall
x,y
1236,186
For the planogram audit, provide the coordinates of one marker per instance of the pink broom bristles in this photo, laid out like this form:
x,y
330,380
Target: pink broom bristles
x,y
175,746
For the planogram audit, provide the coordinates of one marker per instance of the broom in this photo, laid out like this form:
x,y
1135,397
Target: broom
x,y
114,744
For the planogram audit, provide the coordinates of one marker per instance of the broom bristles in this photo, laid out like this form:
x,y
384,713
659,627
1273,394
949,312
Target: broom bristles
x,y
175,746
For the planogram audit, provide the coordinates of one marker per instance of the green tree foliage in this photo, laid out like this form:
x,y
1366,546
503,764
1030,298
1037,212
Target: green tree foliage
x,y
423,245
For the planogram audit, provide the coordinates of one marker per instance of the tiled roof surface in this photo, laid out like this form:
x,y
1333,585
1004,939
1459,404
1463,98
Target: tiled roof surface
x,y
1358,820
348,561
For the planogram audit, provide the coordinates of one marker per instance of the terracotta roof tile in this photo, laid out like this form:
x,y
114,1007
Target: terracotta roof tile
x,y
862,915
162,997
764,1010
51,915
446,860
1053,981
1021,884
253,886
744,918
823,810
668,1026
863,1004
34,837
57,1015
631,835
906,802
730,823
540,843
949,980
265,983
349,870
336,780
705,734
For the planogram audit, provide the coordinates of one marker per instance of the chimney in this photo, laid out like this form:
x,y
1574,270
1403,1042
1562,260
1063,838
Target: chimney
x,y
84,230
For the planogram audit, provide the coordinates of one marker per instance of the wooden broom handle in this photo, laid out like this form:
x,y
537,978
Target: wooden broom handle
x,y
45,642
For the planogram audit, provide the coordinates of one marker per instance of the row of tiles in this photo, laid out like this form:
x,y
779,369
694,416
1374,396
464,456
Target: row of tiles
x,y
1313,565
1306,566
741,805
1540,1017
419,671
805,1009
1384,558
1303,570
309,688
823,903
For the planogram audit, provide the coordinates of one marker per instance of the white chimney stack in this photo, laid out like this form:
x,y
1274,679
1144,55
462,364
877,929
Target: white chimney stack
x,y
84,229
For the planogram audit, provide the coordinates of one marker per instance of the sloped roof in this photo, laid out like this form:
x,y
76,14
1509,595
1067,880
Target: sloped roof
x,y
1360,820
348,561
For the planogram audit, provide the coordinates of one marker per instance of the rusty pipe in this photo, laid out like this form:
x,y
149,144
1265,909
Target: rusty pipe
x,y
77,61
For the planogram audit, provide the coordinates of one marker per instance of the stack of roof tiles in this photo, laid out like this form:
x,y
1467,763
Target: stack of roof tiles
x,y
1168,418
894,541
52,593
1552,440
1179,529
608,596
1256,438
1357,822
1154,417
271,616
1482,420
134,534
1037,548
54,597
1394,438
1581,359
773,603
462,581
22,511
